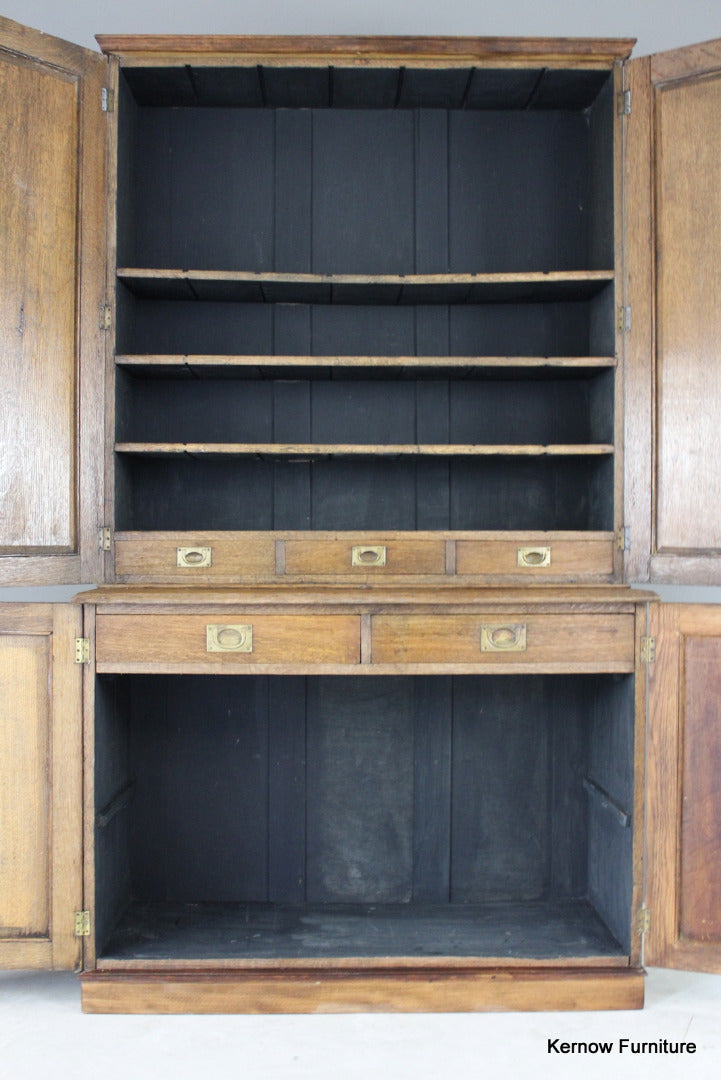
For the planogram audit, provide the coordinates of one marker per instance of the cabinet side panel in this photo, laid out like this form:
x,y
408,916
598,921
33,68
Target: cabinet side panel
x,y
39,179
24,802
700,867
688,194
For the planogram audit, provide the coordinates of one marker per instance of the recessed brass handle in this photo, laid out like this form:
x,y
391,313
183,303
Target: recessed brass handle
x,y
534,556
229,637
368,556
509,637
194,556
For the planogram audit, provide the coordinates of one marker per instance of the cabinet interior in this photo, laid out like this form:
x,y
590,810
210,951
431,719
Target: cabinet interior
x,y
376,298
267,817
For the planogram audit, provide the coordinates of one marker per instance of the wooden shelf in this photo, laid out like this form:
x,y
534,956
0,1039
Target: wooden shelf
x,y
239,285
230,366
285,450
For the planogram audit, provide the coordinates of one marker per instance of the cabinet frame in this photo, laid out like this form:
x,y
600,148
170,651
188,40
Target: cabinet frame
x,y
603,549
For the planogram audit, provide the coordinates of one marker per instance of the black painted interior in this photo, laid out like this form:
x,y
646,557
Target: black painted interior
x,y
288,800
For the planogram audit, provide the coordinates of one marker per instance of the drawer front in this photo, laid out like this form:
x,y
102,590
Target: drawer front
x,y
536,559
193,557
232,639
563,641
355,557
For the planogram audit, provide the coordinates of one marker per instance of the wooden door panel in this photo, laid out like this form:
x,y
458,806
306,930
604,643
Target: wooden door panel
x,y
52,236
684,789
40,786
673,288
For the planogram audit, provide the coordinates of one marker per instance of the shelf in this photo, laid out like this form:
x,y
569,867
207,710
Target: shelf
x,y
532,930
316,450
244,286
236,366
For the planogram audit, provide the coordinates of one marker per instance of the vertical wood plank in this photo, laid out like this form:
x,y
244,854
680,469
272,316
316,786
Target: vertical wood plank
x,y
293,172
433,708
662,785
67,786
431,191
638,345
286,790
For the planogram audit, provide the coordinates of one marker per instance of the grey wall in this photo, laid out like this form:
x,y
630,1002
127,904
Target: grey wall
x,y
657,25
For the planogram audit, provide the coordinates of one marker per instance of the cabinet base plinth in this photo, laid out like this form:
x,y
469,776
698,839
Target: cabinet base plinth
x,y
491,990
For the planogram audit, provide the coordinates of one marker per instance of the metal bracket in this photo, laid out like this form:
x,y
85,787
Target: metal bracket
x,y
104,538
624,320
648,650
82,924
82,650
106,317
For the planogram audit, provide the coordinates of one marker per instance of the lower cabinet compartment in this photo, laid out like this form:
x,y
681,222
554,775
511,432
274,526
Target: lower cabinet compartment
x,y
376,824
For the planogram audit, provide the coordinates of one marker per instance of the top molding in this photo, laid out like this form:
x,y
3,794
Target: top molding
x,y
581,52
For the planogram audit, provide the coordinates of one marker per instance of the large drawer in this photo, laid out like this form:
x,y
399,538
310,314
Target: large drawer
x,y
586,642
233,639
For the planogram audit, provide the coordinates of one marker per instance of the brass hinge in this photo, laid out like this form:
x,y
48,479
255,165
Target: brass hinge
x,y
648,650
624,320
643,921
82,650
624,103
623,538
106,317
104,538
82,924
107,100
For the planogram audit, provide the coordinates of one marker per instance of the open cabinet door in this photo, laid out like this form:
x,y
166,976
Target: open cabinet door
x,y
683,812
52,267
41,882
672,258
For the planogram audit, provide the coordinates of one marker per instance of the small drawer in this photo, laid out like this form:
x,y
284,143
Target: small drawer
x,y
233,638
546,558
579,641
355,557
190,557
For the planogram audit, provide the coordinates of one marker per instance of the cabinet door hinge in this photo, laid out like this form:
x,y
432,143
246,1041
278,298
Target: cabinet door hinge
x,y
643,921
624,319
82,924
104,538
624,103
106,317
107,100
82,650
648,650
623,538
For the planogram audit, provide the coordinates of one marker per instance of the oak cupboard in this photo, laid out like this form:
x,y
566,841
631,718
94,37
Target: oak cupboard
x,y
364,368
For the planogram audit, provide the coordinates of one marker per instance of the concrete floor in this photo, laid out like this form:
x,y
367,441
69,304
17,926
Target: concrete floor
x,y
44,1034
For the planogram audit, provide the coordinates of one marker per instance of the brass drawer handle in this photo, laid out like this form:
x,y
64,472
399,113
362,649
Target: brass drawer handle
x,y
194,556
534,556
368,556
510,637
229,637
